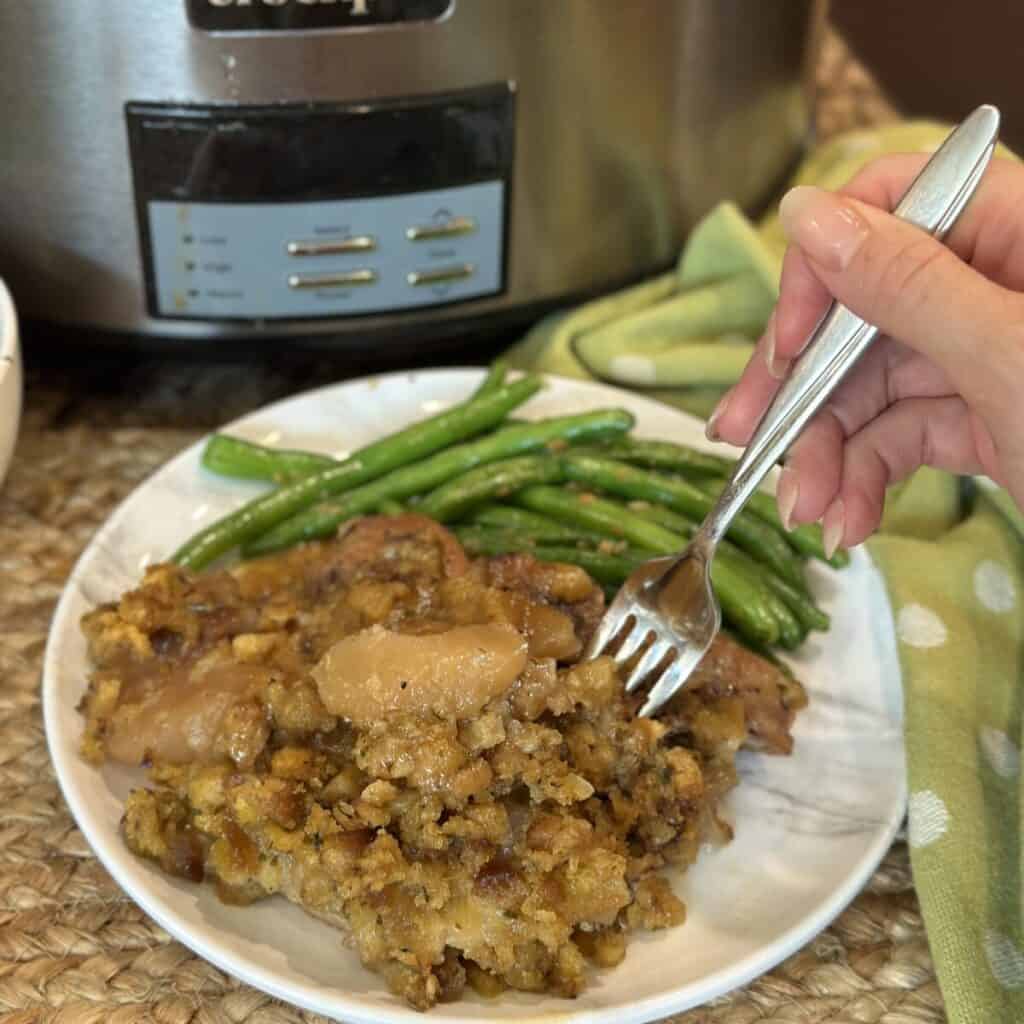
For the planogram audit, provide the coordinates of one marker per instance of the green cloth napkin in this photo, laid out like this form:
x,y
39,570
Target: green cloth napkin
x,y
685,336
953,562
956,583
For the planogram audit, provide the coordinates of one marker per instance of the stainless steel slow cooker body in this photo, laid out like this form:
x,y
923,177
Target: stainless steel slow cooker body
x,y
245,169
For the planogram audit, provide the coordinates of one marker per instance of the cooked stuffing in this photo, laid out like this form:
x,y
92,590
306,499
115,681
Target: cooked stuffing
x,y
403,742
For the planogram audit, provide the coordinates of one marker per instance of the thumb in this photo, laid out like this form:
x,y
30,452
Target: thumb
x,y
896,276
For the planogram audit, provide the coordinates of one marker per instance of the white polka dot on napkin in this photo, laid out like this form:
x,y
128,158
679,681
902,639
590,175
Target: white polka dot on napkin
x,y
918,626
1005,960
994,587
929,819
1000,751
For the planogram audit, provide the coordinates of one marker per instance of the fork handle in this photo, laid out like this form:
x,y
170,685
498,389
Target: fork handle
x,y
932,202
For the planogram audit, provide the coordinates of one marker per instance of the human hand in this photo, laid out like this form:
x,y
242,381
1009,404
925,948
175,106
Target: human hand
x,y
943,385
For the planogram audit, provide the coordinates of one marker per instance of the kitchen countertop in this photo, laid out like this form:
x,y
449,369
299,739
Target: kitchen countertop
x,y
73,947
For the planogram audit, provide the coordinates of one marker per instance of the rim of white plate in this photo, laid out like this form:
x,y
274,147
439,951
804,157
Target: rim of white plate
x,y
358,1009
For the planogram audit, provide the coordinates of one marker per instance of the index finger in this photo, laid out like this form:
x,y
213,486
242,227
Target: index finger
x,y
989,235
990,231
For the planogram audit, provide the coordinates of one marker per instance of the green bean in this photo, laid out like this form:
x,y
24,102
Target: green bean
x,y
602,516
536,528
321,520
489,542
244,460
665,517
664,455
806,539
792,632
493,480
494,378
605,568
746,530
407,446
513,519
389,507
741,596
806,612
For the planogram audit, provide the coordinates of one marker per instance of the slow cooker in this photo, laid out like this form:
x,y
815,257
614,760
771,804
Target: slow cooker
x,y
352,172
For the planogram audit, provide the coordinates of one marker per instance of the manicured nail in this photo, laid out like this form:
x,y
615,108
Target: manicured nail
x,y
711,430
786,494
827,228
833,527
777,368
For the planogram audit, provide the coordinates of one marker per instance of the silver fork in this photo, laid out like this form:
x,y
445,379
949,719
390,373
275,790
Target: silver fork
x,y
668,604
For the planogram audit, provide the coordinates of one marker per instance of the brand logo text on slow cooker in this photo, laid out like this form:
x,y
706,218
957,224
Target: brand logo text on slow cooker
x,y
303,15
357,7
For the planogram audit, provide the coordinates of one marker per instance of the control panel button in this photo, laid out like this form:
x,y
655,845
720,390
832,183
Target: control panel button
x,y
343,279
333,247
441,275
442,227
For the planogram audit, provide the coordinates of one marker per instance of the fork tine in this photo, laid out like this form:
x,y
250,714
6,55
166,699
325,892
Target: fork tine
x,y
673,678
607,630
648,663
631,643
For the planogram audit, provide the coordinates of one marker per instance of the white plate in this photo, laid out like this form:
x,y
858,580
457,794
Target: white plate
x,y
810,828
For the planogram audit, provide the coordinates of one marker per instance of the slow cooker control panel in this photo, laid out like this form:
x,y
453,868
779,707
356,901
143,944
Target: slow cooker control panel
x,y
329,258
307,212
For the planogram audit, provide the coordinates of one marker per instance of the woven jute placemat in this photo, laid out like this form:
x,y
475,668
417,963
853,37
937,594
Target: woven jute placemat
x,y
73,948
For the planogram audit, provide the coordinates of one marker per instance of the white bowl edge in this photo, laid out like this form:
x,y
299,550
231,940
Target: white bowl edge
x,y
10,379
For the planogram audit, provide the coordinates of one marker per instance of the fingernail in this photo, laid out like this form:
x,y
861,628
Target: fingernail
x,y
786,494
776,367
833,527
827,228
711,430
